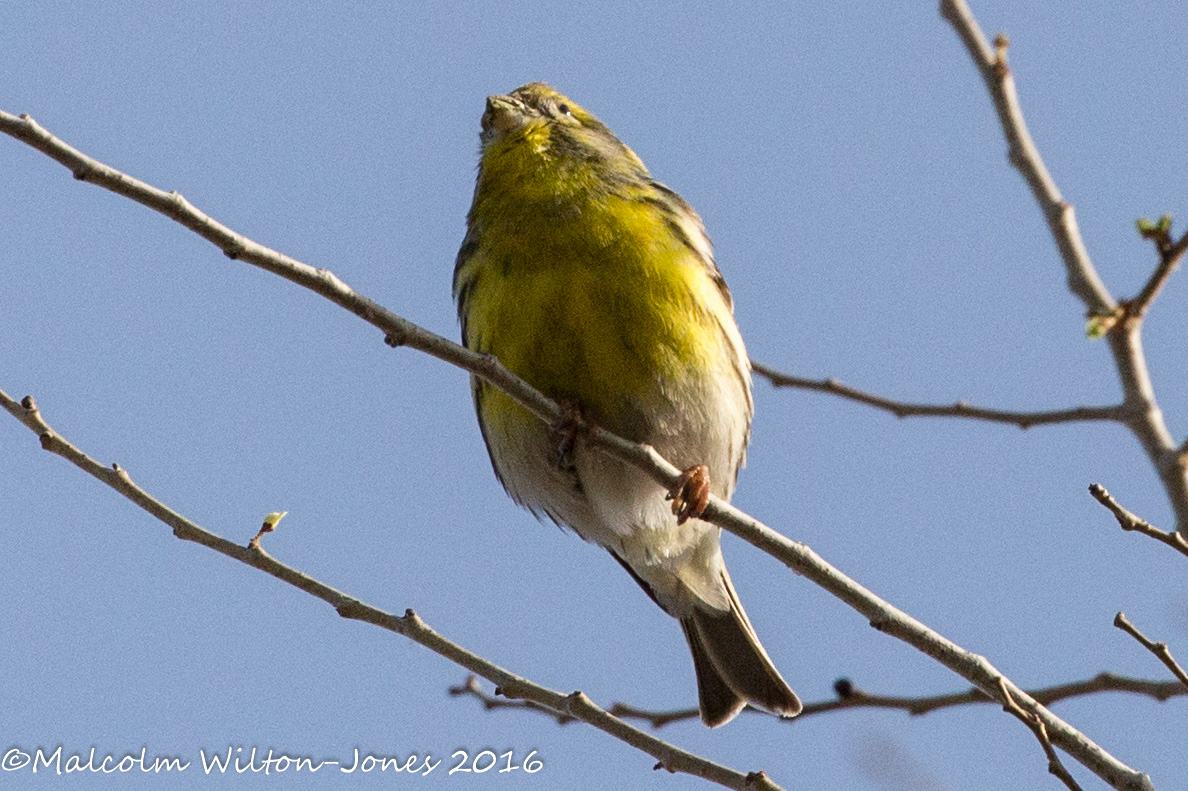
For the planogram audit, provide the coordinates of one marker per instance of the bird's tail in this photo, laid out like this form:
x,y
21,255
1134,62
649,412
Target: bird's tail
x,y
732,667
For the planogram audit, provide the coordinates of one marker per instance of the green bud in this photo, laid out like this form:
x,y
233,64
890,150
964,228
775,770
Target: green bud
x,y
1099,325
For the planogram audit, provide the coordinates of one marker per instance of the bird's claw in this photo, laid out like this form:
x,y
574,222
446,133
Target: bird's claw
x,y
691,494
567,429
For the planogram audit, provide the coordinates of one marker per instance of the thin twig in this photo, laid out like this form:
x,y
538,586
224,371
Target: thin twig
x,y
1160,650
399,331
1023,154
1141,412
1055,767
471,688
1131,521
961,409
1170,255
576,705
851,697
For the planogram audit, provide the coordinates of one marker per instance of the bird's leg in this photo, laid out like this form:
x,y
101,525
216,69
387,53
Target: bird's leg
x,y
691,495
567,429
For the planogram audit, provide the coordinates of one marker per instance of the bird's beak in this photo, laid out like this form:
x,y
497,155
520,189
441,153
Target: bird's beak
x,y
503,115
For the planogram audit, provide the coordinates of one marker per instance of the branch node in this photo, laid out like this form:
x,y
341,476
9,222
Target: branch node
x,y
1036,723
844,688
1001,44
185,533
1100,322
351,609
757,778
882,623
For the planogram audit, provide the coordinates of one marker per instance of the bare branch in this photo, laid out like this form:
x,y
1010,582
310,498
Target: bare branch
x,y
576,705
1144,417
471,688
1141,410
1055,767
1023,154
851,697
1130,521
1160,650
658,719
399,331
960,409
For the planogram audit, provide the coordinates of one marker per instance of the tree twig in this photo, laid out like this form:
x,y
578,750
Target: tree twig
x,y
401,332
961,409
471,688
1023,154
851,697
1160,650
1141,409
1128,520
576,705
1055,767
1170,254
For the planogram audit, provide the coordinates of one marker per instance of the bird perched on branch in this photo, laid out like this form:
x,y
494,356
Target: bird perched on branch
x,y
597,285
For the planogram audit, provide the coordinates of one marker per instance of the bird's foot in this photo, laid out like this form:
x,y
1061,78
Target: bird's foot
x,y
567,429
691,495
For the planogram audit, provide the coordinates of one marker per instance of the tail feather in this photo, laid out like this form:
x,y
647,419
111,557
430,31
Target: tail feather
x,y
731,665
718,702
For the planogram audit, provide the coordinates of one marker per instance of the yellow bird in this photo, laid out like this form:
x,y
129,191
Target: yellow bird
x,y
597,285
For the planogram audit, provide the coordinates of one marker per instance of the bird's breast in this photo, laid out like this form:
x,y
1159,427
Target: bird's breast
x,y
607,309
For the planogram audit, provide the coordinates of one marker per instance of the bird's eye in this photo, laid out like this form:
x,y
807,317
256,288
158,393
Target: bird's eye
x,y
564,109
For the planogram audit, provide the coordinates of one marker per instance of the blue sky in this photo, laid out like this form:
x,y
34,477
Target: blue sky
x,y
850,169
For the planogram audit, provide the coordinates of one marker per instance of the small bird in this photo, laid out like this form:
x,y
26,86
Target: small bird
x,y
597,285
